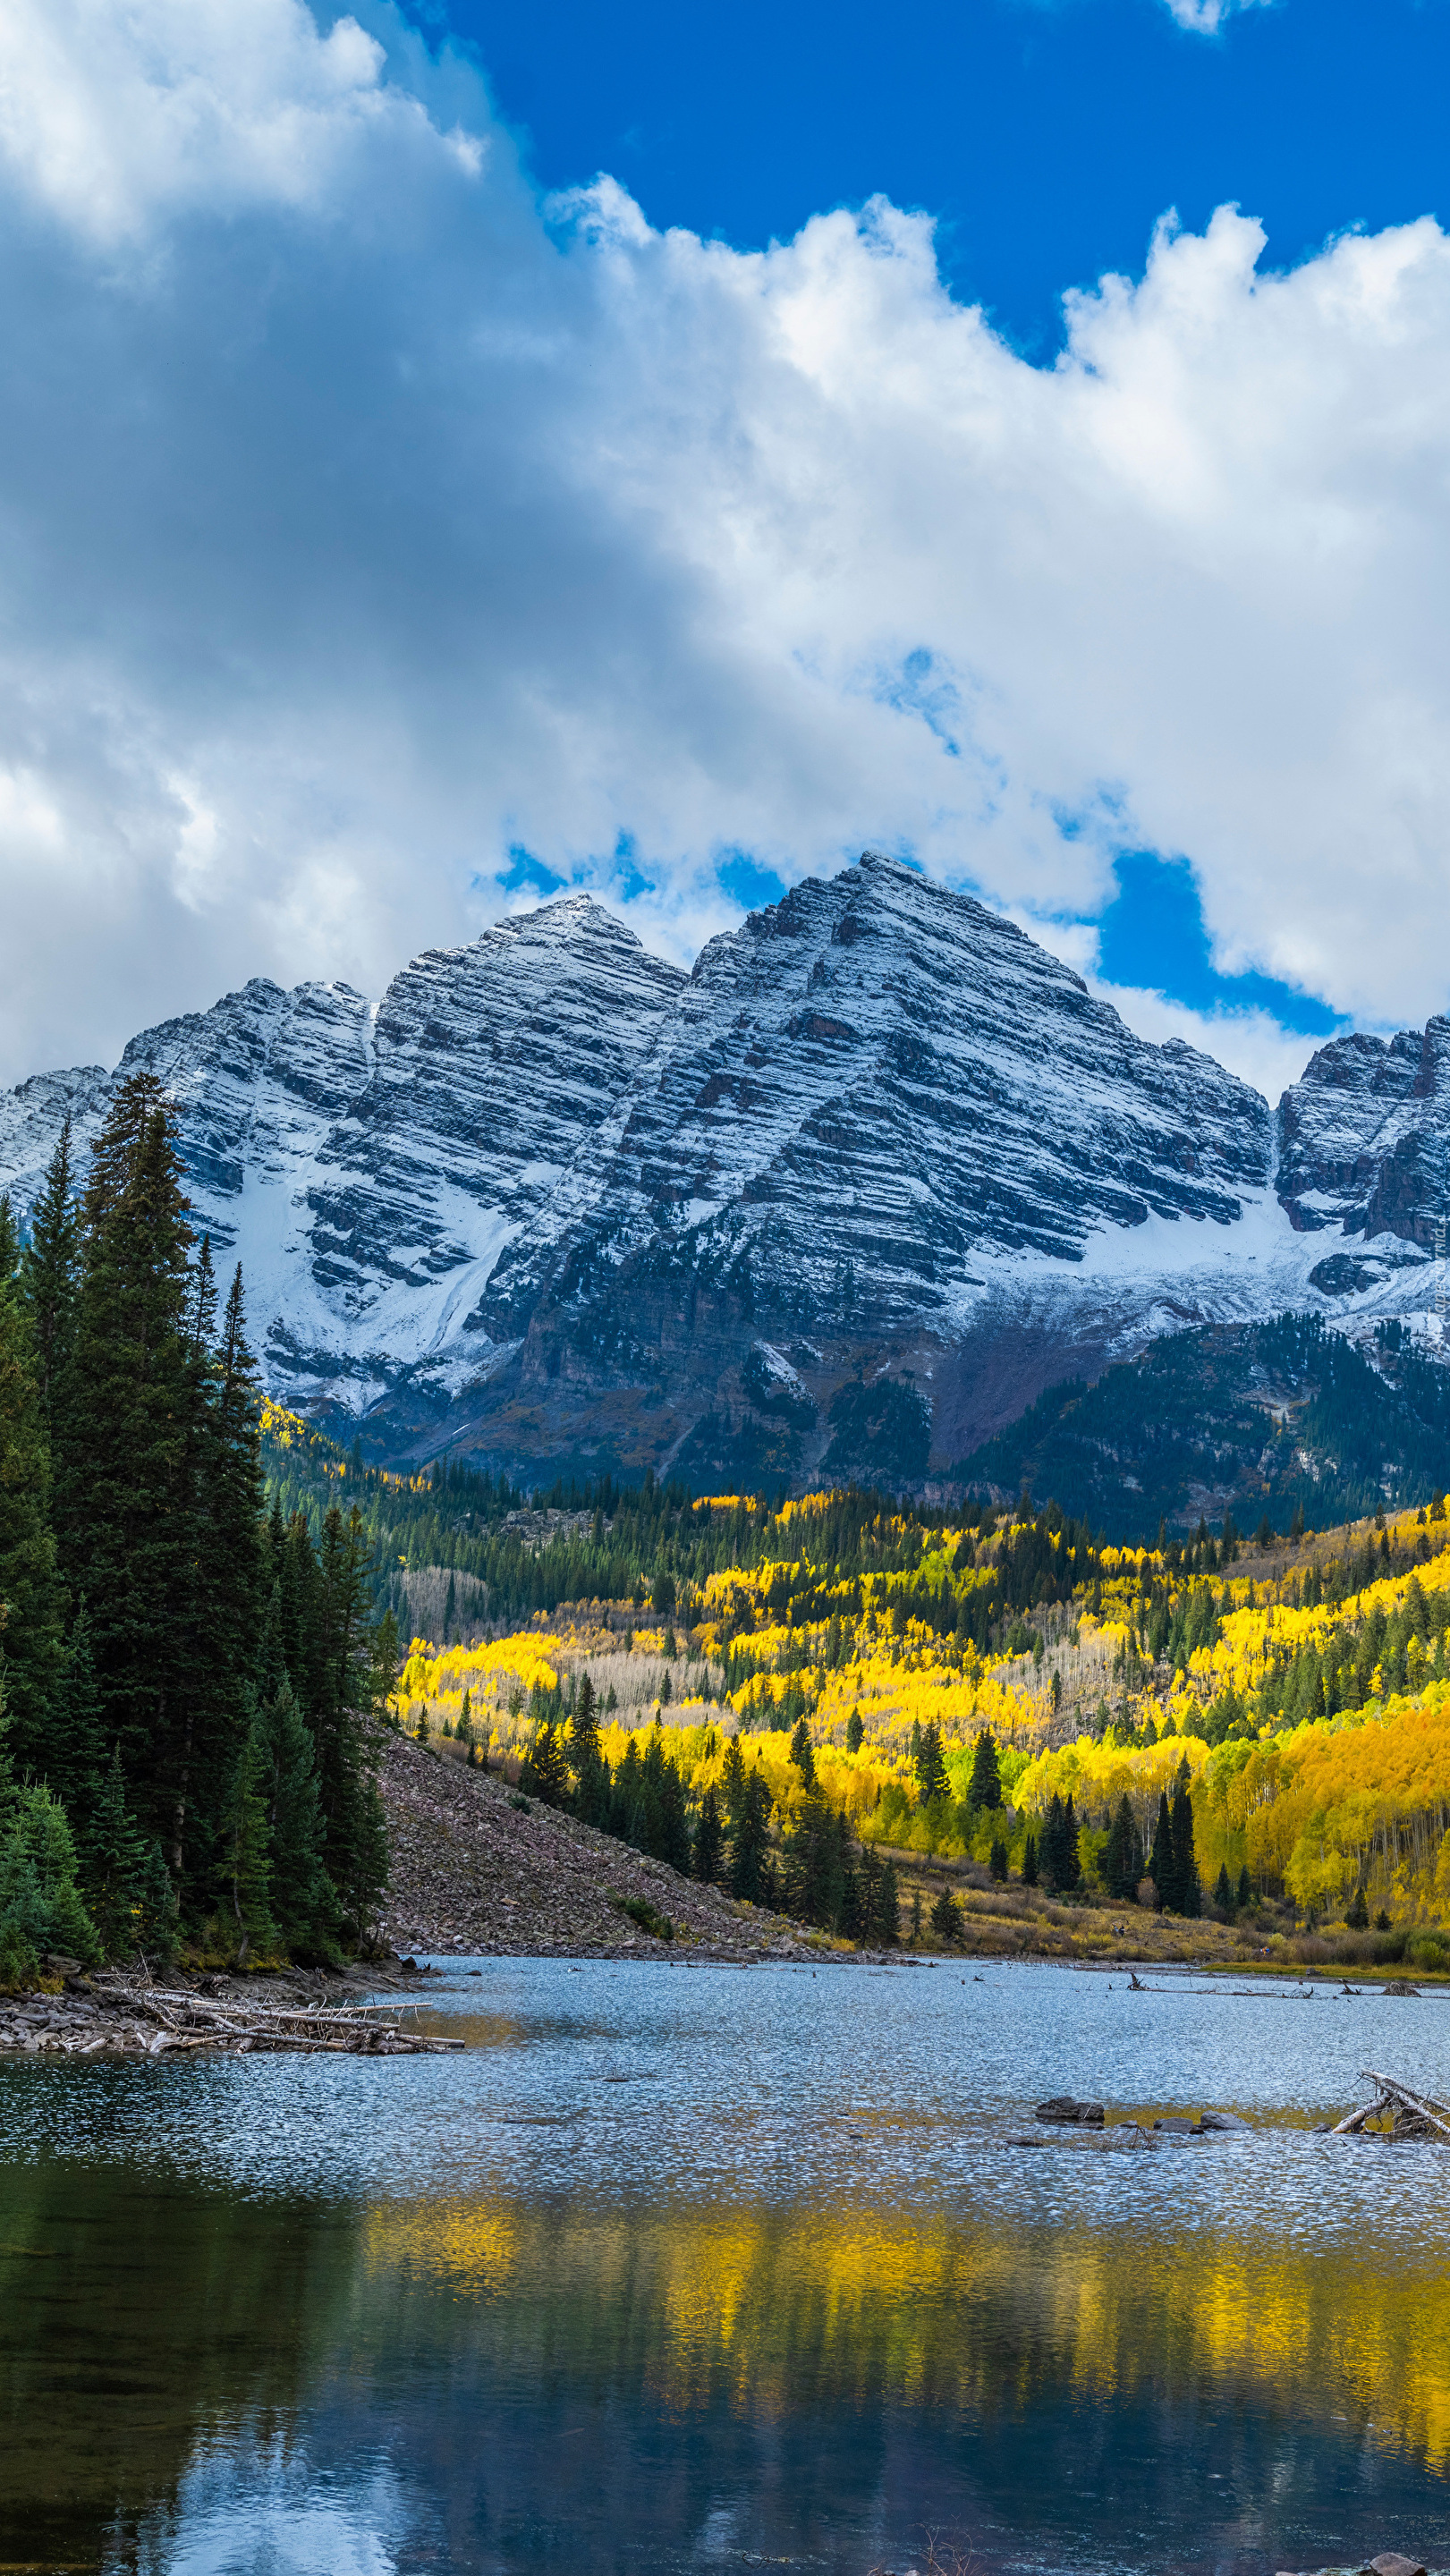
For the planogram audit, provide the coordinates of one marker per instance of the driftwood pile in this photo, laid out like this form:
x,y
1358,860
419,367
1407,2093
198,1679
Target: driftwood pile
x,y
1410,2115
128,2018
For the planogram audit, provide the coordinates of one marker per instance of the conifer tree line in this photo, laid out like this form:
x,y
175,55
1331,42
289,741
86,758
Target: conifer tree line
x,y
186,1684
813,1873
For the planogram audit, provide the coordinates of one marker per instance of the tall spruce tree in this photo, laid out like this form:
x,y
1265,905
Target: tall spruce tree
x,y
50,1267
1162,1864
343,1717
30,1625
986,1782
127,1524
1187,1887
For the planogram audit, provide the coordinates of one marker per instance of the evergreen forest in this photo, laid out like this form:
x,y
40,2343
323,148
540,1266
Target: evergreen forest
x,y
188,1679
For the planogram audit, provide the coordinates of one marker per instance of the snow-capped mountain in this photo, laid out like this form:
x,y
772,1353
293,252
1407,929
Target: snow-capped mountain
x,y
556,1199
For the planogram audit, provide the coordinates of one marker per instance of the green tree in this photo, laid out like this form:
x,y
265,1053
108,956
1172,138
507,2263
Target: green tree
x,y
998,1860
1188,1892
1162,1863
802,1754
1123,1855
931,1774
855,1732
30,1626
1058,1854
301,1898
946,1917
732,1782
750,1841
986,1785
114,1865
1244,1895
815,1864
1030,1872
709,1840
1223,1895
50,1268
544,1772
350,1661
246,1868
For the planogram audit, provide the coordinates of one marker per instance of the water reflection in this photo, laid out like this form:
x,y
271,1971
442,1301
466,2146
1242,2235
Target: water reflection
x,y
782,2294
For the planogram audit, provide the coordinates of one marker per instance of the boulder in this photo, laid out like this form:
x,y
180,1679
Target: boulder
x,y
1067,2113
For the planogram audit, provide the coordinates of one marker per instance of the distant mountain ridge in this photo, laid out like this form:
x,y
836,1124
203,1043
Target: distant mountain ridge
x,y
855,1190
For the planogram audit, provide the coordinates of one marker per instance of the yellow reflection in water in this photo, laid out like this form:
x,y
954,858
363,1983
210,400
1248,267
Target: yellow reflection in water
x,y
769,2307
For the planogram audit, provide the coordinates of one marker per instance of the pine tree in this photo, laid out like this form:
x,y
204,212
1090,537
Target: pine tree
x,y
1357,1916
1057,1849
30,1627
1030,1871
113,1865
346,1658
245,1861
709,1840
750,1841
986,1785
125,1493
998,1861
931,1776
946,1917
1161,1862
732,1782
158,1918
1123,1856
1245,1894
301,1897
801,1753
1188,1893
544,1773
855,1732
45,1833
1223,1895
50,1282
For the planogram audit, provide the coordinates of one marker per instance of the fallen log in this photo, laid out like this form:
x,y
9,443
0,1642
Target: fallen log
x,y
1420,2106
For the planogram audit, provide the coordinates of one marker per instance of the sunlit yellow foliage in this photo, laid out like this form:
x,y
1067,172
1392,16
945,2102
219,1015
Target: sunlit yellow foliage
x,y
440,1679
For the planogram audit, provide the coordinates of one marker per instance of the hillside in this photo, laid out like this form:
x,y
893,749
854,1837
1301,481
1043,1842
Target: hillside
x,y
1202,1750
840,1203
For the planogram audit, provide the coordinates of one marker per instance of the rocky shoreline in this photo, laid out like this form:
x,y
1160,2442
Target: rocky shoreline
x,y
123,2012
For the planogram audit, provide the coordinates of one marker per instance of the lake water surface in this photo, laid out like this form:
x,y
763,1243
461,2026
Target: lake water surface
x,y
694,2268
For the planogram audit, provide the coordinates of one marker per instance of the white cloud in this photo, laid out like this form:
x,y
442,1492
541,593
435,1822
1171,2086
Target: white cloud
x,y
1250,1043
1205,17
361,520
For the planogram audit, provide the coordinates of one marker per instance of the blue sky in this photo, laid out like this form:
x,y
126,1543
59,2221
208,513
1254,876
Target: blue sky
x,y
1045,136
452,453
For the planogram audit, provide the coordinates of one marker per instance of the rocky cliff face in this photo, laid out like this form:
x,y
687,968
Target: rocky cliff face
x,y
1364,1139
840,1201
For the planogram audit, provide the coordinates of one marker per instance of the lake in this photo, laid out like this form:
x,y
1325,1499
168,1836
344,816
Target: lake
x,y
698,2268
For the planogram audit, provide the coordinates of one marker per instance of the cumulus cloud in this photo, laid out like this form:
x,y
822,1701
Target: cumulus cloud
x,y
364,524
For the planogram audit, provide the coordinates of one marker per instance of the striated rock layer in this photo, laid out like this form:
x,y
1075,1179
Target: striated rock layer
x,y
842,1200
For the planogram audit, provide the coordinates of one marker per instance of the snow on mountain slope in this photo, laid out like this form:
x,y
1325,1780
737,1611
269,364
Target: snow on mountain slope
x,y
875,1087
366,1168
1365,1137
557,1199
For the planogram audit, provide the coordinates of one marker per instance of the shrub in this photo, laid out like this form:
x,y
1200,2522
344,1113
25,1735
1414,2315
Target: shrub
x,y
640,1911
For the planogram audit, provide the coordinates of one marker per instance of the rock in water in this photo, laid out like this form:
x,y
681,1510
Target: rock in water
x,y
1070,2113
